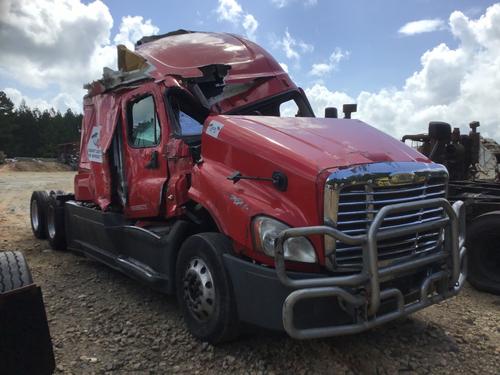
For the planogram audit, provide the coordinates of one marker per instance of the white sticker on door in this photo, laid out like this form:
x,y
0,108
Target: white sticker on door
x,y
94,151
214,128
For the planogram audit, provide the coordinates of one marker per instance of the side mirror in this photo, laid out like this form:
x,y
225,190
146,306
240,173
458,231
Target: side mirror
x,y
348,109
331,112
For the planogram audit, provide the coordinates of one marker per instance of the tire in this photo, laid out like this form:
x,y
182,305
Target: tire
x,y
14,271
55,223
38,213
204,288
483,248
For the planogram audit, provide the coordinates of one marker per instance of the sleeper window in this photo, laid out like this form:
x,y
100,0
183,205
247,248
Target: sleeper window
x,y
144,128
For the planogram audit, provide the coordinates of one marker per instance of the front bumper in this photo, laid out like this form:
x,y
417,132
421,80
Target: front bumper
x,y
318,305
366,295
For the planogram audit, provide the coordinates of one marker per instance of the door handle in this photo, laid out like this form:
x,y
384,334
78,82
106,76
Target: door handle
x,y
154,162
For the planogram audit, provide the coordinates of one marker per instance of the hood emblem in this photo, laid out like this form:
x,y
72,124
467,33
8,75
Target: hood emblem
x,y
400,178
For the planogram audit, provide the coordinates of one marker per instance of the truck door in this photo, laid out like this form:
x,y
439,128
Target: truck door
x,y
145,129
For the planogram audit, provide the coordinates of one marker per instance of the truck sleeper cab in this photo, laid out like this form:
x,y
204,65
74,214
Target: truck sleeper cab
x,y
217,183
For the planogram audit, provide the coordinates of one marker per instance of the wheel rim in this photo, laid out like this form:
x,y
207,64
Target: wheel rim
x,y
34,215
199,290
51,225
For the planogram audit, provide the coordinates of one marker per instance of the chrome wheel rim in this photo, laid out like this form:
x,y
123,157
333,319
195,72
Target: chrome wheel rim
x,y
199,290
51,225
34,215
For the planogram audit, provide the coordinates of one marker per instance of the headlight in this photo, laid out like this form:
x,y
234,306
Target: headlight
x,y
266,230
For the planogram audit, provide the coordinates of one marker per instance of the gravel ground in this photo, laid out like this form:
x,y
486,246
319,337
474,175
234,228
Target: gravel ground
x,y
102,322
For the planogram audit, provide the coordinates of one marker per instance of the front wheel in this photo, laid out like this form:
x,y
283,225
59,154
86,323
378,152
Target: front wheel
x,y
204,288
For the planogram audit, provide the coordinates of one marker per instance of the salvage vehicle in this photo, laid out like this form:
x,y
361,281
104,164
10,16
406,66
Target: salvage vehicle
x,y
67,153
204,172
473,163
25,343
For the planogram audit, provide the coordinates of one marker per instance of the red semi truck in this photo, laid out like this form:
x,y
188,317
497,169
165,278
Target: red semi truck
x,y
192,179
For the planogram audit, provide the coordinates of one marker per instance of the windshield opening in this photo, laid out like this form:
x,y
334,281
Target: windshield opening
x,y
288,104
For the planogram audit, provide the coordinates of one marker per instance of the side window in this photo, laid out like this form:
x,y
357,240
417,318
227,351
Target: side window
x,y
143,126
189,126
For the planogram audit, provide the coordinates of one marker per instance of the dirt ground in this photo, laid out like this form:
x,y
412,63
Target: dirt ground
x,y
102,322
34,165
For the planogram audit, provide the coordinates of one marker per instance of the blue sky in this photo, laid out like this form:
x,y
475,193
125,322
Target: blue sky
x,y
368,29
404,62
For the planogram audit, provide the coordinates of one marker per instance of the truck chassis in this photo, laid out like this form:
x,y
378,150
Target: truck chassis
x,y
360,301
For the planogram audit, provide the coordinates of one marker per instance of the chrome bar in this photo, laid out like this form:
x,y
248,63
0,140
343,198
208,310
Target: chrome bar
x,y
394,200
451,280
399,190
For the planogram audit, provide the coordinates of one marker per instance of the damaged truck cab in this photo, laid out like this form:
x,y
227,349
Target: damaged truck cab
x,y
204,172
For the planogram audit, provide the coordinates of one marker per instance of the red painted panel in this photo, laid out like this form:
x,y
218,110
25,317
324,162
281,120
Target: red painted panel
x,y
145,185
303,148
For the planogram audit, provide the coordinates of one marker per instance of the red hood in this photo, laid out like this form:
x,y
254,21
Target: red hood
x,y
317,143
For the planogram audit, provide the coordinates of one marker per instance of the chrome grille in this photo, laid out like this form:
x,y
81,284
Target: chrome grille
x,y
357,201
359,204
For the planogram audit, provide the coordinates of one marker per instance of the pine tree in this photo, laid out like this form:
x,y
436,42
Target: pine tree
x,y
30,132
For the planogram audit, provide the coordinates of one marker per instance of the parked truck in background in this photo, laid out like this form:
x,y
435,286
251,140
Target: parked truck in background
x,y
473,163
192,180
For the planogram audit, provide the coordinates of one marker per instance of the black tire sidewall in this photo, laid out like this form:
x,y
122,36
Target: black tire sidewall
x,y
479,233
221,326
58,241
41,199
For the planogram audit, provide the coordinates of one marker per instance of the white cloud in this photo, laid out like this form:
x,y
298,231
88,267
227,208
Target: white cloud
x,y
320,98
322,69
422,26
17,98
292,47
62,44
453,85
284,67
284,3
250,25
52,41
134,28
61,101
231,11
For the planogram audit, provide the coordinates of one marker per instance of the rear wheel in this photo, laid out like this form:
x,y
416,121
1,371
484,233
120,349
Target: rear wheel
x,y
14,271
55,223
38,208
483,239
204,288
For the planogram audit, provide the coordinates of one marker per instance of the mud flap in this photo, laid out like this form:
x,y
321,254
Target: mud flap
x,y
25,343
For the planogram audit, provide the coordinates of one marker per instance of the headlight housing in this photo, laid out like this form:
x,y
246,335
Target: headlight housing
x,y
266,231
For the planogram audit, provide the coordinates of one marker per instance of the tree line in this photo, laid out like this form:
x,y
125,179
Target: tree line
x,y
30,132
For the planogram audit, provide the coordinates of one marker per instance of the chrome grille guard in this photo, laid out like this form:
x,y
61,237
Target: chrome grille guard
x,y
353,196
447,282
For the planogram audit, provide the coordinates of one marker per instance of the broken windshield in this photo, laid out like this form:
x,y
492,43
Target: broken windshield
x,y
288,104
